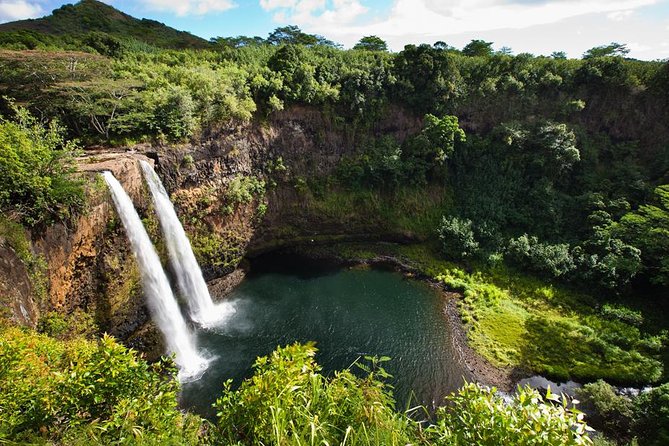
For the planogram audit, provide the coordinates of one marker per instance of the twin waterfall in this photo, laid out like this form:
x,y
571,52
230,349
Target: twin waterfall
x,y
189,276
161,301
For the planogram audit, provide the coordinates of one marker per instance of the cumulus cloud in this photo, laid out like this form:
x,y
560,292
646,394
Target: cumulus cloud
x,y
269,5
619,16
315,13
190,7
11,10
427,19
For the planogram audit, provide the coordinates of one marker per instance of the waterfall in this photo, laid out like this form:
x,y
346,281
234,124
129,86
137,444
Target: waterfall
x,y
161,301
189,276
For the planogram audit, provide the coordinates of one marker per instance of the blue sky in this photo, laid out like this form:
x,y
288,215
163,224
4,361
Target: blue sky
x,y
535,26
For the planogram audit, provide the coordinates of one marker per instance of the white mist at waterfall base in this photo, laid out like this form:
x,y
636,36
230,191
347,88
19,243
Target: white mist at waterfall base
x,y
189,276
164,308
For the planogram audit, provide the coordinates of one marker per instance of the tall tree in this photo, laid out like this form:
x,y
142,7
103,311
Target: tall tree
x,y
371,43
292,34
612,49
478,48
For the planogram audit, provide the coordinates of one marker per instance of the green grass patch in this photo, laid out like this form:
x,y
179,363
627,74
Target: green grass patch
x,y
516,320
501,327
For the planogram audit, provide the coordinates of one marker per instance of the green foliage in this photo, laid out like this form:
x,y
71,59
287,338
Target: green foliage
x,y
380,165
16,236
427,78
73,325
516,178
479,416
559,150
623,314
72,22
438,137
26,40
293,35
613,414
243,189
604,258
371,43
36,184
298,78
612,49
518,320
288,401
174,112
104,44
222,250
551,260
652,414
345,409
648,228
237,42
457,238
645,416
413,211
387,164
84,391
478,48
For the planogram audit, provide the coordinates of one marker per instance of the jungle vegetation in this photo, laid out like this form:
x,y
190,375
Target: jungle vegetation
x,y
548,210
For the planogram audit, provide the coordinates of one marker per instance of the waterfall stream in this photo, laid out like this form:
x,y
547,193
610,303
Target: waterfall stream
x,y
161,301
189,276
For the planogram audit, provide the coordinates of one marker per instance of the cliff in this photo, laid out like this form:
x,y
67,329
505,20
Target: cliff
x,y
236,190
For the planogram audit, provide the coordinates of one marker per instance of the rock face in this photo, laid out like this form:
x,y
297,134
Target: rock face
x,y
89,265
16,290
235,189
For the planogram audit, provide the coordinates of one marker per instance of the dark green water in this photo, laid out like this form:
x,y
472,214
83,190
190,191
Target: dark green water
x,y
349,313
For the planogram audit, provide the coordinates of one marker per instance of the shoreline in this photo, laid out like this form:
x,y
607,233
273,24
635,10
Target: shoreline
x,y
479,368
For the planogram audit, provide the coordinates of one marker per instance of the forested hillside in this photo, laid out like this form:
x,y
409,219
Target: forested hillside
x,y
96,25
536,187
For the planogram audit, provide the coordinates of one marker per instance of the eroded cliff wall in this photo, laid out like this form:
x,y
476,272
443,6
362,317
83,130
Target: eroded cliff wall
x,y
236,189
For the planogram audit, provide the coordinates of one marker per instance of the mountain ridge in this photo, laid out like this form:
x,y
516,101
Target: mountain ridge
x,y
88,16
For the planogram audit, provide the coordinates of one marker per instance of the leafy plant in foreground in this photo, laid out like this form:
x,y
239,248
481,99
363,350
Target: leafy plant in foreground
x,y
82,392
288,401
478,416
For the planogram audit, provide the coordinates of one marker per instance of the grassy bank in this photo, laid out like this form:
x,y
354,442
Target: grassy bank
x,y
517,321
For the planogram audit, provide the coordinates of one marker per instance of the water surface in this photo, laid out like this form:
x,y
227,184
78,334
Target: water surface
x,y
349,313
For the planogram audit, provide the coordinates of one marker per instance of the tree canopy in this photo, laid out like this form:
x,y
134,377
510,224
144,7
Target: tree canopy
x,y
612,49
371,43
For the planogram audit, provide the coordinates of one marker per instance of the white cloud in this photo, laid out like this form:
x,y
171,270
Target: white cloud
x,y
269,5
11,10
429,20
574,36
619,16
534,26
190,7
315,13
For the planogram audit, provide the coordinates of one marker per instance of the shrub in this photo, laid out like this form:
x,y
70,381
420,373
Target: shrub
x,y
478,416
652,413
551,260
78,390
288,401
612,413
36,167
623,314
242,189
457,238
